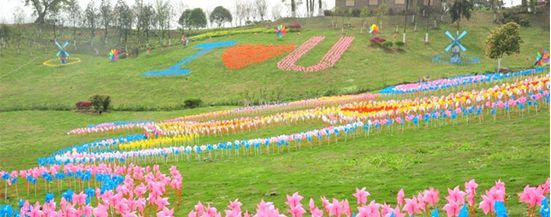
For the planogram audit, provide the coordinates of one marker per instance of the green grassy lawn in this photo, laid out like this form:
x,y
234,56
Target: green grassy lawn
x,y
515,150
26,83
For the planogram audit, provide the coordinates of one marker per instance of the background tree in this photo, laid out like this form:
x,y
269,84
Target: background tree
x,y
74,12
261,8
293,6
503,40
106,16
459,9
4,36
276,12
124,20
91,19
220,15
162,16
381,11
43,7
185,19
198,19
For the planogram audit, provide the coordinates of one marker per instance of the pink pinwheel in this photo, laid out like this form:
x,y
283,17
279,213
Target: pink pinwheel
x,y
235,205
452,208
317,212
36,212
297,211
400,197
346,208
545,187
361,195
312,205
335,208
456,196
166,213
412,206
470,188
487,204
532,196
294,200
100,211
430,197
371,210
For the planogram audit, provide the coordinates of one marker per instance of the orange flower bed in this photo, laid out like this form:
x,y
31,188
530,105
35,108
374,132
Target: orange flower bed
x,y
241,56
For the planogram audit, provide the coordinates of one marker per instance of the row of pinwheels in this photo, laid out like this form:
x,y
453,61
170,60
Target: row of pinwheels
x,y
458,204
117,190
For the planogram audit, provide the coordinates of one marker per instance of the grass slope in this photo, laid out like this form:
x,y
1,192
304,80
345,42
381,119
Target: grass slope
x,y
26,83
515,150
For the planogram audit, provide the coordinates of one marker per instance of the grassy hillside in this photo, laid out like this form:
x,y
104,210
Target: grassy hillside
x,y
27,84
415,159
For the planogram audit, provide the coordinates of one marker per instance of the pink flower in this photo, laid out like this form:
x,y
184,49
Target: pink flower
x,y
487,204
470,188
297,211
361,195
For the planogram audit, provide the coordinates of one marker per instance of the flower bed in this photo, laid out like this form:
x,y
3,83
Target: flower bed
x,y
241,56
230,32
289,63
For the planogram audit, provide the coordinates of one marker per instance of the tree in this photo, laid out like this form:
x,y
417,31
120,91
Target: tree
x,y
220,15
124,19
74,12
184,19
276,12
4,35
106,15
43,7
293,8
503,40
91,19
381,10
198,19
261,8
459,9
162,16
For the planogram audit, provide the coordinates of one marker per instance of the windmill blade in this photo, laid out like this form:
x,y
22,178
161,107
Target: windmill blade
x,y
58,45
449,47
58,53
450,35
462,35
65,44
461,46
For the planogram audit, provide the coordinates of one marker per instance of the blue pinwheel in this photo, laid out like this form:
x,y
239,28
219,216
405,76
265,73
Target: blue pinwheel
x,y
456,41
62,53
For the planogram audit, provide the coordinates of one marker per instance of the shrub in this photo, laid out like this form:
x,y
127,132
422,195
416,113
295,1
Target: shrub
x,y
514,17
387,44
83,105
294,26
399,44
356,12
377,41
100,103
327,13
192,103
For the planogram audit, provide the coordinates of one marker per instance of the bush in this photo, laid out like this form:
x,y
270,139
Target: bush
x,y
294,26
327,13
356,12
100,103
192,103
387,44
377,41
399,44
514,17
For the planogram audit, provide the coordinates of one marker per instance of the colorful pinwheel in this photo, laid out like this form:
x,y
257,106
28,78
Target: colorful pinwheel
x,y
542,57
280,31
114,55
374,29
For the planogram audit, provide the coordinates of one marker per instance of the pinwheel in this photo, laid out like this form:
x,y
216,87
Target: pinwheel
x,y
542,57
374,29
280,31
113,55
289,63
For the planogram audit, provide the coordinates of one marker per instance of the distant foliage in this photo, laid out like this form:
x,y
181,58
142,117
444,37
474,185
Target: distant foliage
x,y
327,13
100,103
514,17
220,15
197,18
192,103
387,44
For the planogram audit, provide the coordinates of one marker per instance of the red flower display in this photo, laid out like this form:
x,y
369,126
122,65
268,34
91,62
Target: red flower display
x,y
289,63
241,56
